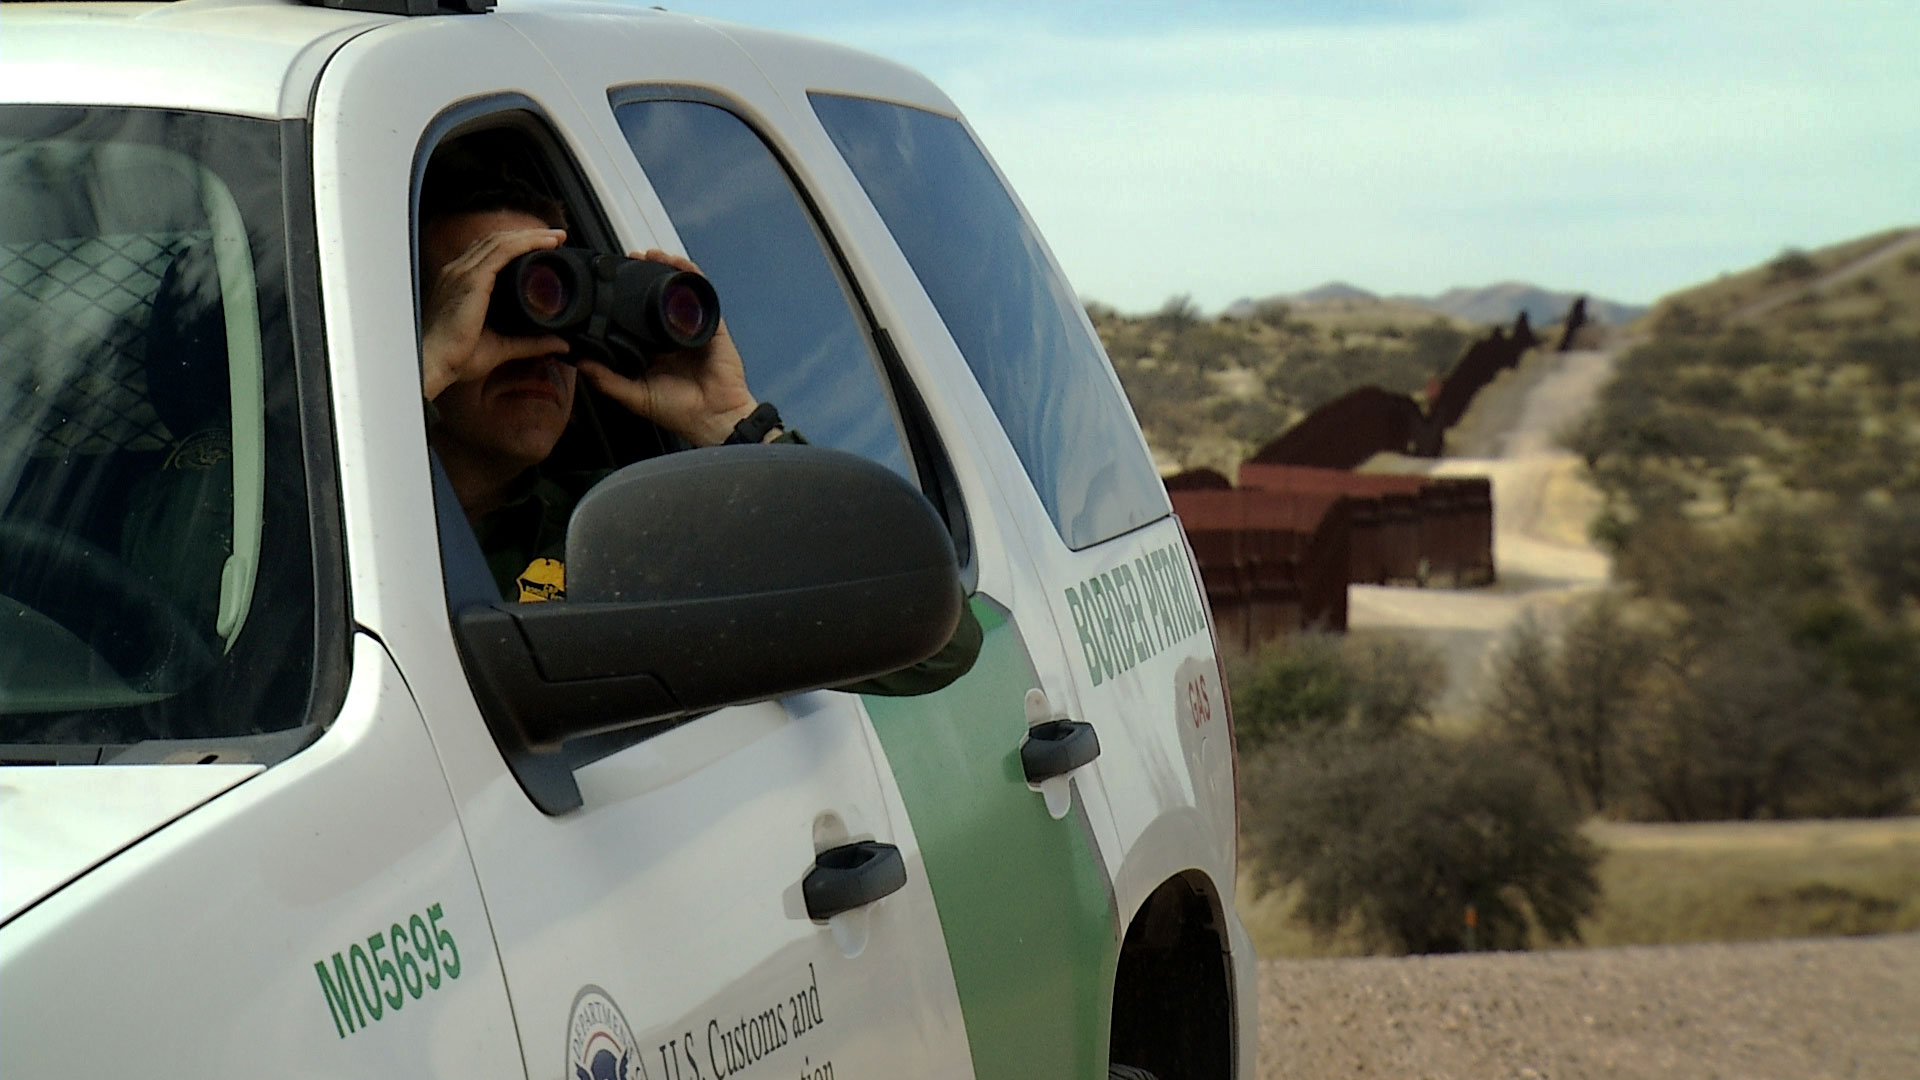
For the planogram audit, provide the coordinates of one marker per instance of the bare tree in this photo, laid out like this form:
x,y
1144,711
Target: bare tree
x,y
1567,696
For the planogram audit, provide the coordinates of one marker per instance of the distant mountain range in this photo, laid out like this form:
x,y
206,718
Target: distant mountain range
x,y
1500,303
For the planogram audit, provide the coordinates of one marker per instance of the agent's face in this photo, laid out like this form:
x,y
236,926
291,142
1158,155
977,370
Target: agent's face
x,y
514,415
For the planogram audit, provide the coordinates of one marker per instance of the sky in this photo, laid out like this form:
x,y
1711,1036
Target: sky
x,y
1224,149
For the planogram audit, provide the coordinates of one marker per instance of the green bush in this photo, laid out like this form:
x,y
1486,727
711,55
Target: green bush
x,y
1569,696
1274,313
1792,265
1292,686
1749,680
1386,828
1178,313
1312,684
1437,346
1400,837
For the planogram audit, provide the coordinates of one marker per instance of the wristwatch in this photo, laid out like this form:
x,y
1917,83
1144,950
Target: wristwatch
x,y
754,426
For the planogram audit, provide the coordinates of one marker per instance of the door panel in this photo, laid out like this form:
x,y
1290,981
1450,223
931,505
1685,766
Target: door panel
x,y
275,925
1024,901
676,894
1024,906
1102,553
661,929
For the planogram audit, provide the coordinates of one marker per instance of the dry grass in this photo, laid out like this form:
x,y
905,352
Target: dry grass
x,y
1749,881
1267,917
1361,318
1718,881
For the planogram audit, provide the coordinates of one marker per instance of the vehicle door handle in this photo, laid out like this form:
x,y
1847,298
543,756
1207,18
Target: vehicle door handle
x,y
1056,748
851,876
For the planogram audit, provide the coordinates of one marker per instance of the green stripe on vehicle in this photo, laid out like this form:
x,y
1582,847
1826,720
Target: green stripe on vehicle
x,y
1024,900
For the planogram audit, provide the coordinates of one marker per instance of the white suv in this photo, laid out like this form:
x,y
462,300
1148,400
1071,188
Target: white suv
x,y
289,787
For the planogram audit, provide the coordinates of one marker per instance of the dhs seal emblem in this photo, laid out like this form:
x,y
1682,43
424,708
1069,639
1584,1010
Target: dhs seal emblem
x,y
599,1044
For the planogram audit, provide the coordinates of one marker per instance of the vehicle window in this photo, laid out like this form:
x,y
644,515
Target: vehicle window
x,y
155,575
1011,314
781,292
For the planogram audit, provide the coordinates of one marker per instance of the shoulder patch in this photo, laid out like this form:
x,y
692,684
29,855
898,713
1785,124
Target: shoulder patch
x,y
543,579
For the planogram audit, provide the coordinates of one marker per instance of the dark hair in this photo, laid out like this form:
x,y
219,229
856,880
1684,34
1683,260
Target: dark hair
x,y
468,187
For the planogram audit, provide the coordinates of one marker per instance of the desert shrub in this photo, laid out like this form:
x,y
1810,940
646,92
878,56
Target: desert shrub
x,y
1253,421
1311,377
1398,837
1680,319
1292,686
1392,681
1878,663
1401,370
1437,346
1748,681
1792,265
1893,359
1744,725
1568,696
1177,313
1707,389
1385,827
1274,313
1770,395
1785,624
1887,551
1368,684
1209,347
1745,347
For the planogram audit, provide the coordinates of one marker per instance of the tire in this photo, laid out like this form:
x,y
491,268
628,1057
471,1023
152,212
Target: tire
x,y
1127,1072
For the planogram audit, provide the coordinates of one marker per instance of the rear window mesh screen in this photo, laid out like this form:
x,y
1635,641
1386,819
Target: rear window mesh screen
x,y
73,315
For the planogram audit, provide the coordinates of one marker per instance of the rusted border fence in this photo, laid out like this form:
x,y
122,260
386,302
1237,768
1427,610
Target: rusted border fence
x,y
1348,430
1408,530
1273,563
1278,552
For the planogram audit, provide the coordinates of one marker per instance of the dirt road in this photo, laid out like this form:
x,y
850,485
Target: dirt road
x,y
1541,507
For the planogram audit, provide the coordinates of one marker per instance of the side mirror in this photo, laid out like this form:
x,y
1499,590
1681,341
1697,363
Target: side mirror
x,y
710,578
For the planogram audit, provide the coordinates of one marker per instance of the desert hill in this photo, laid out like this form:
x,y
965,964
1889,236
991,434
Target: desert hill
x,y
1504,302
1869,284
1485,305
1209,391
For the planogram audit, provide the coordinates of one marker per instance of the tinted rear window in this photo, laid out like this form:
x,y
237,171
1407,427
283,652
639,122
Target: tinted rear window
x,y
1012,315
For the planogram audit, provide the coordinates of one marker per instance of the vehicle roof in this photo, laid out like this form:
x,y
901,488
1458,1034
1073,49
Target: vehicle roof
x,y
269,52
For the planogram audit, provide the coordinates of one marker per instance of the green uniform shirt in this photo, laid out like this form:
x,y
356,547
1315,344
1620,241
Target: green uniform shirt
x,y
525,538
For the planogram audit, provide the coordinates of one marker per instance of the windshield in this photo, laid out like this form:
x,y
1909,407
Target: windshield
x,y
155,575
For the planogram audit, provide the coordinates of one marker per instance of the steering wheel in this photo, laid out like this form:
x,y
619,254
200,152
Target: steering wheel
x,y
133,625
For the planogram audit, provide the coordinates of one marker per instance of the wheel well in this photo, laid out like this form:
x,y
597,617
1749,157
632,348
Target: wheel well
x,y
1173,1009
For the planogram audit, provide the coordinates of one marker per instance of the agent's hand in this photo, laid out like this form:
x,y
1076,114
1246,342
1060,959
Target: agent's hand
x,y
698,394
457,345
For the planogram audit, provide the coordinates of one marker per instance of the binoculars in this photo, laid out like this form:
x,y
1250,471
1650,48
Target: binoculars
x,y
618,309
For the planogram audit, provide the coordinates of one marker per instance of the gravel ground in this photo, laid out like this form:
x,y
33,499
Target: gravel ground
x,y
1779,1010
